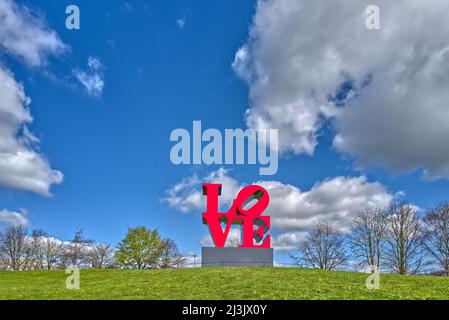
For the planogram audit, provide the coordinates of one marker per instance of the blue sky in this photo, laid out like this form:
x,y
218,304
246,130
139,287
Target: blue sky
x,y
113,149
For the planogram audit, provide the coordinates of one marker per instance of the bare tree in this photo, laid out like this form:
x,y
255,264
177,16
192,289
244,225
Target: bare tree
x,y
367,235
101,256
4,265
404,253
13,246
170,256
436,235
76,250
323,248
35,256
53,249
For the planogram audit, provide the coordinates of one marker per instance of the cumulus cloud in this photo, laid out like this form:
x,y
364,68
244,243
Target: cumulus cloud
x,y
187,195
91,79
292,210
386,90
24,34
21,165
288,240
231,241
11,218
336,200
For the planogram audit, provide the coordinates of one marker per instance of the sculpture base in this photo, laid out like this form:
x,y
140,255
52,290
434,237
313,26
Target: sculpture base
x,y
236,257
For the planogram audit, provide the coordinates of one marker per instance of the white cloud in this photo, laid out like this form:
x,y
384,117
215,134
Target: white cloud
x,y
288,240
11,218
92,79
301,52
94,64
21,166
292,210
233,237
187,195
336,200
25,34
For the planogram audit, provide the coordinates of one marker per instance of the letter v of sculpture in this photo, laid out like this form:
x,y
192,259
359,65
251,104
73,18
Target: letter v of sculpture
x,y
238,214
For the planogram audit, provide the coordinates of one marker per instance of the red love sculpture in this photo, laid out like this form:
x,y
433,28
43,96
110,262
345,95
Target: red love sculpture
x,y
238,215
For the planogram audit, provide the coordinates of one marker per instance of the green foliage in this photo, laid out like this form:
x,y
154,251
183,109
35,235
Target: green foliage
x,y
218,283
140,249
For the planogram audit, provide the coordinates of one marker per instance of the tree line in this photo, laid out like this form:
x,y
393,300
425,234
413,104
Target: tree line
x,y
395,239
141,248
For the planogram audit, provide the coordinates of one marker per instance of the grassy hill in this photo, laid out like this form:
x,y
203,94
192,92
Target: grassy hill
x,y
218,283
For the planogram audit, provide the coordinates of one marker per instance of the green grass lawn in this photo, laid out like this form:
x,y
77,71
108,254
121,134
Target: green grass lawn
x,y
218,283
